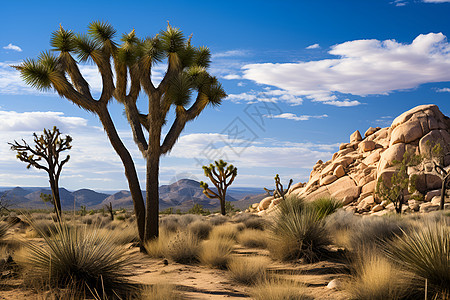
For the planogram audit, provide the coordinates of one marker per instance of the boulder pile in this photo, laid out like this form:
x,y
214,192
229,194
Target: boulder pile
x,y
351,175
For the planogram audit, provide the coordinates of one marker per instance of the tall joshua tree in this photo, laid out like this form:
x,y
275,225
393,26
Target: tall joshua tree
x,y
132,61
45,155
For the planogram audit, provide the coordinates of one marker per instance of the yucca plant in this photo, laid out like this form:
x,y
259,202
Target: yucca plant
x,y
82,257
325,206
298,232
425,251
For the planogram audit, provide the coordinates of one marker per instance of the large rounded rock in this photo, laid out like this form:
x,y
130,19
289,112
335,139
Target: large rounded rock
x,y
264,203
339,171
328,179
366,146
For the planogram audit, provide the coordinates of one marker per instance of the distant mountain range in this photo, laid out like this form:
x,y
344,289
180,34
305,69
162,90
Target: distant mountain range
x,y
182,195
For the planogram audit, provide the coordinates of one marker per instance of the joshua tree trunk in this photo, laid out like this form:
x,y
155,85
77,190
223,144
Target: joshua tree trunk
x,y
55,195
130,170
443,188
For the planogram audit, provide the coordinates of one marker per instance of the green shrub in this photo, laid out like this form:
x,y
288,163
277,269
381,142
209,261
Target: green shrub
x,y
84,258
325,206
198,209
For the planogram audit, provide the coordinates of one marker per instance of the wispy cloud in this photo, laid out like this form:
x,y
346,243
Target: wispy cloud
x,y
443,90
232,77
230,53
291,116
436,1
363,67
13,47
313,46
344,103
267,95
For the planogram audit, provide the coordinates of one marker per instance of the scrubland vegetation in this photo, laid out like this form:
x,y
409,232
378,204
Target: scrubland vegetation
x,y
92,257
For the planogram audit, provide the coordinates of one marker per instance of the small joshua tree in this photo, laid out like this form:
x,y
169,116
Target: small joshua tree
x,y
400,181
46,156
222,178
437,155
110,210
279,191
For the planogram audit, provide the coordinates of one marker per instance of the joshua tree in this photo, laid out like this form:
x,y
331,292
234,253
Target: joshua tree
x,y
279,191
110,210
219,178
437,152
132,61
400,181
45,156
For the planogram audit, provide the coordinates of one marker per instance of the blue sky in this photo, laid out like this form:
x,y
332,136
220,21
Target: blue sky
x,y
301,77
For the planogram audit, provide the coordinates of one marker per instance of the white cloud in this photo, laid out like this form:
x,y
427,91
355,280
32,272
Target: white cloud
x,y
443,90
232,76
436,1
230,53
313,46
363,67
13,47
37,120
291,116
268,95
288,155
344,103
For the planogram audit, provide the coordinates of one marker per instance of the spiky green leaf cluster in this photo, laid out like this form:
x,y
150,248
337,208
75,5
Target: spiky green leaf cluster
x,y
63,40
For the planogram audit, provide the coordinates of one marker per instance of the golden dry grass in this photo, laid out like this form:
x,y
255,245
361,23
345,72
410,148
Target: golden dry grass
x,y
216,252
248,270
253,238
278,289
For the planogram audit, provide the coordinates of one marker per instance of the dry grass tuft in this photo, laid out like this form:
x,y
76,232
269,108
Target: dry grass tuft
x,y
216,253
183,247
425,251
376,278
278,289
160,292
80,257
248,270
253,238
226,231
200,228
157,248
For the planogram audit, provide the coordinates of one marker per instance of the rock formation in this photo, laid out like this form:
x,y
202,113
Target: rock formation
x,y
352,173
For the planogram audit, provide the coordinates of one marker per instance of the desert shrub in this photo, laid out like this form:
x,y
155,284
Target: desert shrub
x,y
198,209
45,228
298,233
253,238
376,278
248,270
341,220
120,217
123,235
227,231
216,252
218,220
160,292
40,216
170,223
183,247
187,219
372,231
325,206
278,289
200,228
425,251
242,217
291,205
157,248
80,257
256,223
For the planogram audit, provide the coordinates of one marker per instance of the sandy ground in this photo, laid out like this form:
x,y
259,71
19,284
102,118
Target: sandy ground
x,y
200,282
